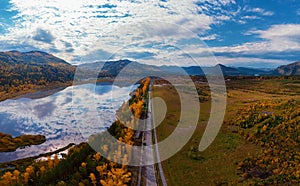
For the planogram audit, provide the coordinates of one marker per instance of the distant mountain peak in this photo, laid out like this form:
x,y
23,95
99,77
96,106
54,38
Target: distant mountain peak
x,y
32,57
289,69
14,51
37,52
220,65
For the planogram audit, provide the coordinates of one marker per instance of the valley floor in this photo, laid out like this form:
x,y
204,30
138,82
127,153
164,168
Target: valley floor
x,y
234,158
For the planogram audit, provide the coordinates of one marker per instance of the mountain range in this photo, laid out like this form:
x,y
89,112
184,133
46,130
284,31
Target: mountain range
x,y
35,68
127,67
39,67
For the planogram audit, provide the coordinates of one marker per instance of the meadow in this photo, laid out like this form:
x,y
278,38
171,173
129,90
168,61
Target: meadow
x,y
258,143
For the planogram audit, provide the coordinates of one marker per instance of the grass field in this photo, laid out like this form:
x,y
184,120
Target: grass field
x,y
218,164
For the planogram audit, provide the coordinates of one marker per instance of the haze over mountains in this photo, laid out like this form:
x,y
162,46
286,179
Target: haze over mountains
x,y
35,66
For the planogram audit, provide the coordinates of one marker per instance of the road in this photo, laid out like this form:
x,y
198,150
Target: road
x,y
149,171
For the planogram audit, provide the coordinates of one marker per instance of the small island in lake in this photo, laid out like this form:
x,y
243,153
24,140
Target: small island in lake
x,y
9,144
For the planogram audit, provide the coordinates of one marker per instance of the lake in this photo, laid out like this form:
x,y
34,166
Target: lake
x,y
68,116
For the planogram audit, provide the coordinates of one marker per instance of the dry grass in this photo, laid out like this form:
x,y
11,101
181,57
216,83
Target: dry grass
x,y
218,163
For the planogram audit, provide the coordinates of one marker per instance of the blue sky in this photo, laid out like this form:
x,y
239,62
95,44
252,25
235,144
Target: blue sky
x,y
255,33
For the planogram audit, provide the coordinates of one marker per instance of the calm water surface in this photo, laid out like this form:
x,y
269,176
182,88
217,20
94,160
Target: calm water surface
x,y
68,116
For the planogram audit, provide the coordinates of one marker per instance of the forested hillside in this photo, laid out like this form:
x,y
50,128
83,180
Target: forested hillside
x,y
23,72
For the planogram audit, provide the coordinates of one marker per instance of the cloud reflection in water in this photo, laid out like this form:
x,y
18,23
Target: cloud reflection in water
x,y
65,117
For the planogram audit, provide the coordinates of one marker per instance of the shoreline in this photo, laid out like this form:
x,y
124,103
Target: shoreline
x,y
22,161
33,91
40,92
37,94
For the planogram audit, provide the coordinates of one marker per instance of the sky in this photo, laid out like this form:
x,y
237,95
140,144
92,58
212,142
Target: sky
x,y
251,33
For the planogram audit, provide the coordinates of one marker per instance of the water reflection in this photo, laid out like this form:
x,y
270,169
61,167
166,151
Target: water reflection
x,y
68,116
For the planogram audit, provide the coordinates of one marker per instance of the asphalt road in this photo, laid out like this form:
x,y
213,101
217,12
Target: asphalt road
x,y
150,154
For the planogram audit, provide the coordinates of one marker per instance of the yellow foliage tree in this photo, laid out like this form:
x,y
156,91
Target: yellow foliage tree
x,y
97,156
93,179
55,160
16,175
7,178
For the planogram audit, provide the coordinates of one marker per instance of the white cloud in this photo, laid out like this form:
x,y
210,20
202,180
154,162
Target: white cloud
x,y
107,26
226,2
275,40
251,17
279,38
279,31
84,28
262,47
260,11
243,15
220,2
209,37
222,18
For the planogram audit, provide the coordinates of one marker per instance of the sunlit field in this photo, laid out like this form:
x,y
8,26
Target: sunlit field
x,y
257,144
